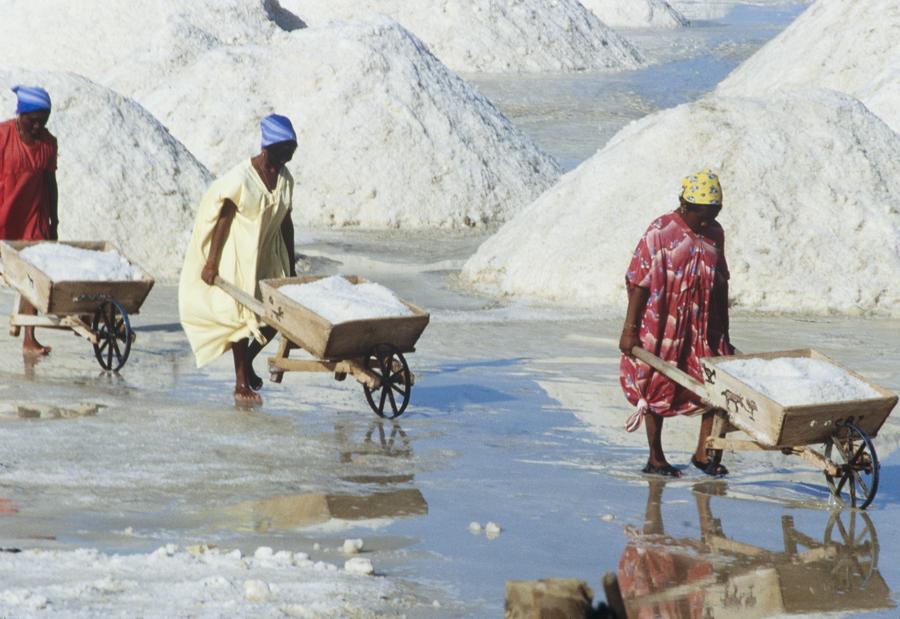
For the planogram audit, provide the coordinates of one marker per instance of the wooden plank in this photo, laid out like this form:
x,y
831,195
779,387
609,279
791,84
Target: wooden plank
x,y
302,365
78,326
737,445
818,460
251,303
670,371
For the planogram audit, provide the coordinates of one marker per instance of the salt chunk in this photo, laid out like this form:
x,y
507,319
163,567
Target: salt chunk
x,y
352,546
474,528
492,530
359,565
256,591
264,552
607,517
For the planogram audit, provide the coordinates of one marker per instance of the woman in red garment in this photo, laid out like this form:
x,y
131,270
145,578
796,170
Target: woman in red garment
x,y
28,193
677,309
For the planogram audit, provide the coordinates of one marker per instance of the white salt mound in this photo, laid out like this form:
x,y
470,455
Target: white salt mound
x,y
636,13
812,207
495,36
795,381
352,546
851,47
64,263
337,300
122,177
388,137
360,566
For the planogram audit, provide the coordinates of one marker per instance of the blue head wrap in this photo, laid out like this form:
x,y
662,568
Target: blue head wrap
x,y
31,99
277,128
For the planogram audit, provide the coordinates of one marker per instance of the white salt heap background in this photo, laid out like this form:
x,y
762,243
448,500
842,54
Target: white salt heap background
x,y
495,36
812,207
66,263
337,300
122,177
636,13
796,381
851,47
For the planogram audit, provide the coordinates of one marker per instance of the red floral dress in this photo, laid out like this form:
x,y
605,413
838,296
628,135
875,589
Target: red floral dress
x,y
24,194
683,319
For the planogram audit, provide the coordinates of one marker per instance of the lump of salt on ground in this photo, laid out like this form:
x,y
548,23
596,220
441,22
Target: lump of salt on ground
x,y
66,263
636,13
793,381
494,37
851,47
360,566
388,137
122,177
811,185
337,300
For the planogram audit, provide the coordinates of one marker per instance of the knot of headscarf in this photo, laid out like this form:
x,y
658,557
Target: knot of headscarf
x,y
31,99
277,128
702,188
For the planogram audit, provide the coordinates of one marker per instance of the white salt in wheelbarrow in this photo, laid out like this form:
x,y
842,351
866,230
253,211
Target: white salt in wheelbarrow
x,y
96,310
846,429
370,350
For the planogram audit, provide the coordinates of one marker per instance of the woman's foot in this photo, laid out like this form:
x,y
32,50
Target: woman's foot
x,y
245,396
34,348
710,467
665,469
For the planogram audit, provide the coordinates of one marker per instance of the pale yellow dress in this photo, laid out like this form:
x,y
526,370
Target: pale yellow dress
x,y
254,250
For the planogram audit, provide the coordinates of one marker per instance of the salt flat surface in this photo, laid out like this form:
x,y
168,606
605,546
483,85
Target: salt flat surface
x,y
846,46
636,13
66,263
795,381
835,182
716,9
337,300
122,177
494,37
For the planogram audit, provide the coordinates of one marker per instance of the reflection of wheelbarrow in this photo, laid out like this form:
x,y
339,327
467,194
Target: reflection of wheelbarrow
x,y
96,310
369,350
845,428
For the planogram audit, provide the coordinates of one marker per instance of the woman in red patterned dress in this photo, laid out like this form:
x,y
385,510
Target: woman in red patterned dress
x,y
28,193
677,286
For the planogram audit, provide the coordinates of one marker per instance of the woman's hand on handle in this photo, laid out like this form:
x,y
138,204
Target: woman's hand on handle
x,y
209,273
628,341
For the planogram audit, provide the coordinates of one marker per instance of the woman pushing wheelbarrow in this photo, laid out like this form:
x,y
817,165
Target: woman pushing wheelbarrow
x,y
677,286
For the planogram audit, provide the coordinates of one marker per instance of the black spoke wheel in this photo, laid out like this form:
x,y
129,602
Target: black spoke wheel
x,y
392,395
852,451
114,336
855,543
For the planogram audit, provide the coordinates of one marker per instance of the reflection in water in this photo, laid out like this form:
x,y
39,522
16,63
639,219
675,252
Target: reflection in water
x,y
37,410
301,510
716,577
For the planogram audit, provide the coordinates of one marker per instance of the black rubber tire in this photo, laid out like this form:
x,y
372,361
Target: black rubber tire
x,y
855,456
114,336
390,366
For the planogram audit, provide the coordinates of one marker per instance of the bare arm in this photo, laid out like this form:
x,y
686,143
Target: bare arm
x,y
220,235
287,233
637,300
53,191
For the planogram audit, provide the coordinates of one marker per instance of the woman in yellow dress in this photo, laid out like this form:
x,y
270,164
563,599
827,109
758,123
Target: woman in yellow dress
x,y
243,233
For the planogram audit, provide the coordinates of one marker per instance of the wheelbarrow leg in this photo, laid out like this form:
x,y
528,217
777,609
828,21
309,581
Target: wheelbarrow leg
x,y
276,375
720,427
17,308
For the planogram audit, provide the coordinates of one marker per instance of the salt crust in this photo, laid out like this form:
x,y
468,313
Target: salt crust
x,y
495,36
846,46
337,300
388,136
812,192
796,381
171,582
717,9
122,177
66,263
636,13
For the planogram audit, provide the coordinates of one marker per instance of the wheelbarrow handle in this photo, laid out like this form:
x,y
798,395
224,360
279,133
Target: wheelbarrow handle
x,y
251,303
670,371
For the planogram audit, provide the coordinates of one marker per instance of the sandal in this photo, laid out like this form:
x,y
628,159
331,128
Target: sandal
x,y
710,467
667,470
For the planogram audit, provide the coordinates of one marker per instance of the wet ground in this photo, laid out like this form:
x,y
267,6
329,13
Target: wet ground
x,y
516,419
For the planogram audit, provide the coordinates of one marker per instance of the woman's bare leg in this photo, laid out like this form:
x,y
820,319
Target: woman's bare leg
x,y
243,393
654,424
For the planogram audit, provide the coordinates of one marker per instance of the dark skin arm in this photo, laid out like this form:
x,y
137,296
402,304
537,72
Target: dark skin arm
x,y
53,191
637,301
219,236
287,233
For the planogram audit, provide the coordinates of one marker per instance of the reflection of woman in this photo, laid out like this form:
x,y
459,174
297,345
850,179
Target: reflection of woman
x,y
244,233
678,310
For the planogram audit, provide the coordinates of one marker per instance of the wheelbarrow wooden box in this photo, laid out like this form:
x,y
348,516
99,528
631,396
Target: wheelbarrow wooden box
x,y
774,425
69,297
345,340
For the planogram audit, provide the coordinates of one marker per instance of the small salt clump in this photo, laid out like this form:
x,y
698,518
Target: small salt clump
x,y
352,546
474,528
256,591
263,552
358,565
607,517
492,530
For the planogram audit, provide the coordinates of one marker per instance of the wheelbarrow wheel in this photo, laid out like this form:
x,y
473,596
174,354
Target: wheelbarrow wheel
x,y
114,336
852,451
389,400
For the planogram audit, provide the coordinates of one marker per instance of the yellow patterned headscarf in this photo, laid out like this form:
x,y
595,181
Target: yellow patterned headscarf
x,y
702,188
